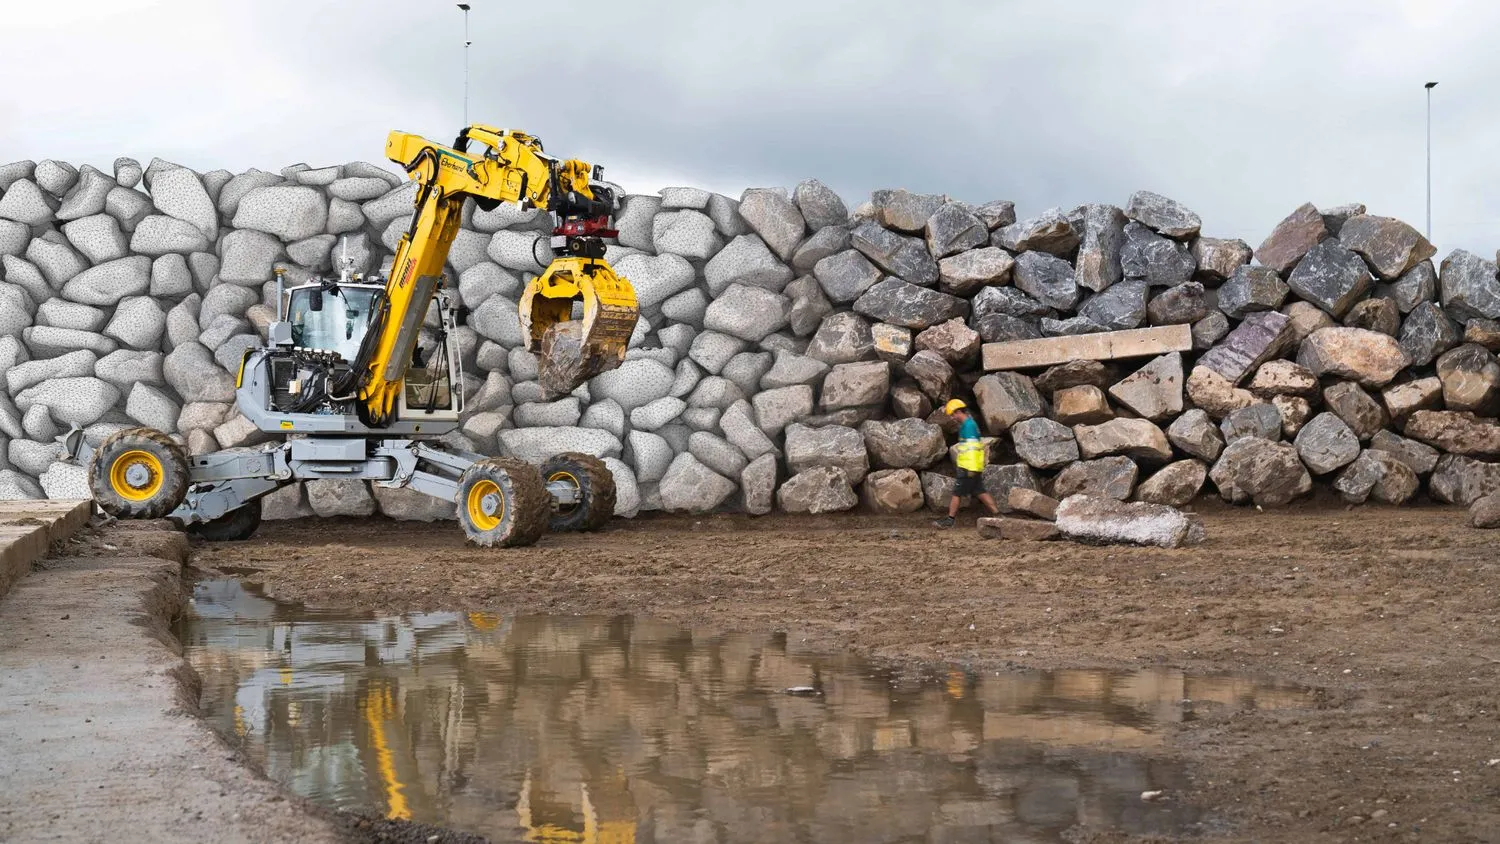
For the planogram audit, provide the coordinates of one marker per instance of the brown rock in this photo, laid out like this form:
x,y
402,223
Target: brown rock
x,y
1107,477
892,342
1295,411
1380,315
1455,432
1289,241
1357,408
1084,404
1422,394
1485,332
1137,438
1218,258
955,342
1368,357
1175,485
1306,318
1265,473
1023,530
1032,503
892,491
908,401
1471,379
1005,398
1377,475
1485,512
1283,378
1195,434
1155,390
933,375
1216,394
1074,373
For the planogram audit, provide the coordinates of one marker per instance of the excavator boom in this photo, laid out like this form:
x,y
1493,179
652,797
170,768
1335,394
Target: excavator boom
x,y
509,166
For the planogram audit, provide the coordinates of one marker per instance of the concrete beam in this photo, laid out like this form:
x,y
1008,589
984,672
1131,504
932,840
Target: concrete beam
x,y
1106,345
28,529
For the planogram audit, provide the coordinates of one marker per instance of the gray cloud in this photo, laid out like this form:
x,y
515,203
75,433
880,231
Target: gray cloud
x,y
1241,111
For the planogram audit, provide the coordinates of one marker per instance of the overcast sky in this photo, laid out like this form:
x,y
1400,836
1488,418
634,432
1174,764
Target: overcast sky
x,y
1240,110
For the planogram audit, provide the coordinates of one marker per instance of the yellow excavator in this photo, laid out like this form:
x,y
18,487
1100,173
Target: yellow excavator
x,y
358,380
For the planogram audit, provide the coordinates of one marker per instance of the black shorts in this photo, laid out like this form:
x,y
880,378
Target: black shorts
x,y
968,484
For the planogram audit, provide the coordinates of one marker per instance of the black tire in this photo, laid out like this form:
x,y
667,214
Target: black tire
x,y
138,473
596,487
502,502
236,525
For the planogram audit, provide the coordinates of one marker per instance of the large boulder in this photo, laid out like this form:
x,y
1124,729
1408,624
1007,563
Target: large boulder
x,y
1420,457
688,233
965,273
192,371
717,454
1252,289
820,489
1185,303
954,341
1175,484
180,193
1158,260
1359,410
1098,261
1121,307
772,215
1427,332
1455,432
1219,258
655,278
1471,379
1163,215
1049,232
1378,475
534,445
71,401
1043,443
777,408
855,385
1470,288
820,206
1462,480
903,443
1046,278
1369,357
1155,390
1106,521
746,260
1260,337
842,337
758,485
1108,477
845,276
906,258
903,210
900,303
892,491
1005,398
1292,238
749,313
1083,404
110,282
1388,245
1137,438
831,445
1326,443
952,229
290,212
1260,471
829,240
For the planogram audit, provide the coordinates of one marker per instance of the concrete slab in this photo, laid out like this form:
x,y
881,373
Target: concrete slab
x,y
28,529
1107,345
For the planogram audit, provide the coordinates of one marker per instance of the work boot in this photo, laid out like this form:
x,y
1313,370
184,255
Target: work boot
x,y
944,522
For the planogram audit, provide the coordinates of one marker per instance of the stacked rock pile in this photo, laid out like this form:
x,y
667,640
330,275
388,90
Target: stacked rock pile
x,y
791,354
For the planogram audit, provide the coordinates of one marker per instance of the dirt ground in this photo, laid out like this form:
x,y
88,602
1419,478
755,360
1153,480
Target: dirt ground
x,y
1391,614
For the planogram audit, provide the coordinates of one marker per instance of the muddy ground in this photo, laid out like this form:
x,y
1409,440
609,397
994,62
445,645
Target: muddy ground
x,y
1390,613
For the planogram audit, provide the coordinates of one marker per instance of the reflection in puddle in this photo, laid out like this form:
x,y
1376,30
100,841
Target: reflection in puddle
x,y
622,730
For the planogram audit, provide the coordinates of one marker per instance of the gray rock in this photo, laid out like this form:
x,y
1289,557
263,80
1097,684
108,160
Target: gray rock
x,y
1252,289
892,342
170,277
1001,328
1427,333
97,237
1218,258
903,443
1375,315
717,454
1415,286
821,489
45,341
1121,307
234,190
1102,230
38,425
1388,245
55,258
58,313
937,490
831,445
725,213
855,385
138,323
749,313
1471,379
747,368
1104,521
1462,481
634,220
128,206
758,485
1049,232
1261,336
1335,217
1083,404
1360,412
1047,279
526,252
194,374
14,237
1107,477
108,283
1135,438
1163,215
997,213
1160,261
773,216
779,407
535,445
909,402
1485,513
152,407
561,413
965,273
952,229
16,309
180,193
1181,305
1469,287
290,212
1261,419
1210,330
819,205
25,202
904,257
71,365
746,260
30,457
1195,434
71,401
845,276
1043,443
1000,479
1292,238
695,198
1260,471
892,491
1377,475
499,320
791,369
687,307
712,350
1419,457
934,376
87,197
905,211
898,302
339,497
1005,398
223,299
687,233
842,338
1175,484
1155,390
1331,277
1070,327
1370,358
743,431
1326,443
826,241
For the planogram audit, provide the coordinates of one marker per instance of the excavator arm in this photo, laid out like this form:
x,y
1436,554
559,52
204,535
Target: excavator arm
x,y
509,166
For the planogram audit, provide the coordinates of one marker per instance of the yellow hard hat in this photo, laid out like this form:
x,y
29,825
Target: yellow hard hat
x,y
952,405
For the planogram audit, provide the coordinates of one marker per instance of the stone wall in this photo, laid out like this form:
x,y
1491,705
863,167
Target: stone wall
x,y
791,354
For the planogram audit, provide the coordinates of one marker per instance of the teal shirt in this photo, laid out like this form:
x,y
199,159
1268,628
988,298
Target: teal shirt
x,y
969,429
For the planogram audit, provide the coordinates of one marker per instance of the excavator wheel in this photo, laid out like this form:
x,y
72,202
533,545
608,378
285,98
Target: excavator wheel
x,y
233,526
139,473
502,501
596,488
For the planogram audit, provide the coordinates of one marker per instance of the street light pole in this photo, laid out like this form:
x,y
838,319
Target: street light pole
x,y
1429,86
467,42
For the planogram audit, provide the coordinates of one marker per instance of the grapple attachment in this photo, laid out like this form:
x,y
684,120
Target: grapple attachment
x,y
571,351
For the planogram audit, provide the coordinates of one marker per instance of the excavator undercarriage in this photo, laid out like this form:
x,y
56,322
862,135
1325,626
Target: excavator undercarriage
x,y
358,380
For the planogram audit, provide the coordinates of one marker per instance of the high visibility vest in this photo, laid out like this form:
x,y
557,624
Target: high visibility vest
x,y
969,455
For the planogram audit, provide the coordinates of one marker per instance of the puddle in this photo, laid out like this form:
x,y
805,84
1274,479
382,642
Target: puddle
x,y
589,729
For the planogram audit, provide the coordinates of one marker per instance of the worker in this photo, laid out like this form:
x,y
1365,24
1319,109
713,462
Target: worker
x,y
969,455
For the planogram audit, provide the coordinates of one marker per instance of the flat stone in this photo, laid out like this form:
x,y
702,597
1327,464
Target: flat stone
x,y
1455,432
535,445
965,273
1292,238
1262,472
1021,530
1389,246
1471,379
1107,477
1362,413
561,413
1104,521
1136,438
1155,390
746,260
1325,443
1331,277
1070,327
1370,358
1043,443
771,214
1186,303
1259,337
1252,289
1163,215
1377,475
1032,502
1217,258
1048,232
1160,261
906,258
1047,279
1419,457
1102,237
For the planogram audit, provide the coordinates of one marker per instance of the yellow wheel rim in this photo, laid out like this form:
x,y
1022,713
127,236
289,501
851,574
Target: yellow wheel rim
x,y
486,505
569,477
136,475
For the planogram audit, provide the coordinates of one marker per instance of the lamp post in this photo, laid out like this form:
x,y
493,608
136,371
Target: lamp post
x,y
467,42
1429,86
